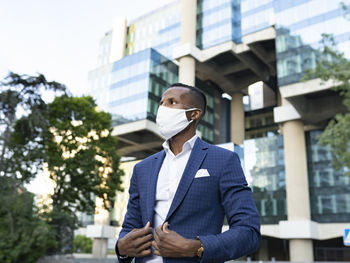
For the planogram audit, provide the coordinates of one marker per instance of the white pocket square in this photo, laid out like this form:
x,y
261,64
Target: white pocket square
x,y
202,173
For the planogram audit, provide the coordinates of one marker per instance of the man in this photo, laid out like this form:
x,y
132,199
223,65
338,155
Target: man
x,y
184,192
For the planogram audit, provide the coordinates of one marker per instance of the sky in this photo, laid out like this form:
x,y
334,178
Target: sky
x,y
60,38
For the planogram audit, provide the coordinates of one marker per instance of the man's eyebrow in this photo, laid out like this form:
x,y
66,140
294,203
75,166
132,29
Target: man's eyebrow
x,y
172,98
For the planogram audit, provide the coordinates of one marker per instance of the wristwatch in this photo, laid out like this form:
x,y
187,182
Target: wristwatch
x,y
117,252
200,250
123,257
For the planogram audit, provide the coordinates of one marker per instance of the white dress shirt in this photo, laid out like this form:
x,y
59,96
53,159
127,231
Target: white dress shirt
x,y
168,180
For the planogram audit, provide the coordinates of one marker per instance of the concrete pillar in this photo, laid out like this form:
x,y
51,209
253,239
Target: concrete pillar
x,y
101,218
297,186
187,69
99,248
298,202
237,118
301,250
188,21
187,64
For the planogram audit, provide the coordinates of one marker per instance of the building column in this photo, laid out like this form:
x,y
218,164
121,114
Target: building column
x,y
237,118
118,39
101,221
187,64
297,186
99,248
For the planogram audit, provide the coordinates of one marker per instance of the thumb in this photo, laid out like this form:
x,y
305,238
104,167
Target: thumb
x,y
147,225
166,227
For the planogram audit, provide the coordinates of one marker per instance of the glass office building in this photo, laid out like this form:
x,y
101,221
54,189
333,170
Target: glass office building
x,y
264,164
159,30
217,22
135,82
299,27
329,188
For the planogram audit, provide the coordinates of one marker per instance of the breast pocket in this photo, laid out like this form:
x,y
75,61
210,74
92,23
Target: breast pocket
x,y
203,191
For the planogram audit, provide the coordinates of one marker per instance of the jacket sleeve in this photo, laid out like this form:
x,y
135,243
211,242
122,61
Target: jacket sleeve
x,y
243,236
132,217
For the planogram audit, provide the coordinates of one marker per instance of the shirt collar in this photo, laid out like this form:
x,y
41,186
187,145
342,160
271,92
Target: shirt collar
x,y
188,145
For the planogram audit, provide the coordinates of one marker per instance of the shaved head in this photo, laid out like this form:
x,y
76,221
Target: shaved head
x,y
197,97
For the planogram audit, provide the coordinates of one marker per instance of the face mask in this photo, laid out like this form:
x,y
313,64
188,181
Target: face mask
x,y
171,121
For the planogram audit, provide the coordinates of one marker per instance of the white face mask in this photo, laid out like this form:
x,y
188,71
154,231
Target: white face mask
x,y
171,121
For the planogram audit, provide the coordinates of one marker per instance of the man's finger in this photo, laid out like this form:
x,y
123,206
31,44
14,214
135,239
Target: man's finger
x,y
155,245
141,232
165,227
159,231
156,252
141,240
156,237
144,246
144,253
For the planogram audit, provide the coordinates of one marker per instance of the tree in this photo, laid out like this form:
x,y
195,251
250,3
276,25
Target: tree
x,y
82,161
24,235
71,137
23,108
334,66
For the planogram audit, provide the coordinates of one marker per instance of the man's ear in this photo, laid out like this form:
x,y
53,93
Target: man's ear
x,y
196,114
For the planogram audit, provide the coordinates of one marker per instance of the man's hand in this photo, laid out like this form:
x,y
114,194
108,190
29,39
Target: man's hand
x,y
168,243
137,243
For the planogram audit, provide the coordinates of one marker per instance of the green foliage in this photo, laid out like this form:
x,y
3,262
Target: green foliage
x,y
337,135
79,147
333,66
21,151
24,236
82,161
69,135
82,244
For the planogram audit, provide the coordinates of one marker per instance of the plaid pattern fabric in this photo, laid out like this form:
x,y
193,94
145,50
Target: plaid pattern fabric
x,y
200,204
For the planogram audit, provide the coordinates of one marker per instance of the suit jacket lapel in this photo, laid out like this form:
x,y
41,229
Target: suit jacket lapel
x,y
196,158
152,184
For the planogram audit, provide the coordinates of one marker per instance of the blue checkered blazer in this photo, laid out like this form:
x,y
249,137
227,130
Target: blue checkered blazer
x,y
200,204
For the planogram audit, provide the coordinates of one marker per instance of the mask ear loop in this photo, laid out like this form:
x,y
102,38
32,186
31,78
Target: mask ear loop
x,y
192,110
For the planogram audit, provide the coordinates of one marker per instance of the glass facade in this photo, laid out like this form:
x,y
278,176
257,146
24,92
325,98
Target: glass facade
x,y
256,15
264,167
260,123
218,21
129,88
99,77
163,73
329,188
159,30
299,26
137,81
206,126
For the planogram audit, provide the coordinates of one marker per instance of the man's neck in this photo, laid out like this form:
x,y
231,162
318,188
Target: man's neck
x,y
176,143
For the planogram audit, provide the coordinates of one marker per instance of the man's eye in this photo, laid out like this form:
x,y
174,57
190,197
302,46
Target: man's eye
x,y
173,102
